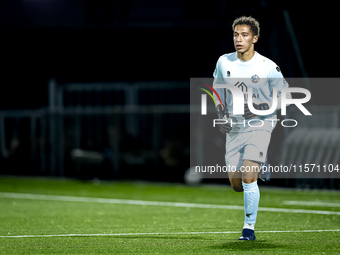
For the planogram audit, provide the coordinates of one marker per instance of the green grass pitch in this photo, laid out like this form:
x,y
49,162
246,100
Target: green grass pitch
x,y
47,226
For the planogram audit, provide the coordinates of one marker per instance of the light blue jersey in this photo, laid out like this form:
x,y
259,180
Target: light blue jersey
x,y
259,73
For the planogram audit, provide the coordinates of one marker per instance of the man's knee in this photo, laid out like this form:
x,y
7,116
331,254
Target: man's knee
x,y
251,174
249,180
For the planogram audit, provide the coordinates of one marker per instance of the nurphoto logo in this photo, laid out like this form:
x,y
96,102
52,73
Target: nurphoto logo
x,y
238,103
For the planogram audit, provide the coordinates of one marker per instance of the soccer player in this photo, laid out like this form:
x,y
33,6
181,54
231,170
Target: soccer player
x,y
246,145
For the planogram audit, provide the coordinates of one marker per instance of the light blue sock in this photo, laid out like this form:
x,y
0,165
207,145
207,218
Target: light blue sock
x,y
251,196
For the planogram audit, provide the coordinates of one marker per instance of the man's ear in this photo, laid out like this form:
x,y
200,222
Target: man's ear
x,y
255,38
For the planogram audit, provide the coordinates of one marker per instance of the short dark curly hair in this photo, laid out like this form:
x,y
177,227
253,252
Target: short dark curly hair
x,y
251,22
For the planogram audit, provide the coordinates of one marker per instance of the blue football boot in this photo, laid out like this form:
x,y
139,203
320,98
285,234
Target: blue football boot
x,y
247,235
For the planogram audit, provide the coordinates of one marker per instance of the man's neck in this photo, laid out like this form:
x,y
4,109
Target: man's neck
x,y
245,56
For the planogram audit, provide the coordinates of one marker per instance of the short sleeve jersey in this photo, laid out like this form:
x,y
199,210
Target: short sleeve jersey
x,y
259,73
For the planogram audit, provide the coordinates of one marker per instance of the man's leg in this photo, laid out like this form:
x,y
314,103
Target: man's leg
x,y
251,197
235,179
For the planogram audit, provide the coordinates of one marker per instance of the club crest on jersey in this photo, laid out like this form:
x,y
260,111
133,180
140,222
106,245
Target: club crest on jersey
x,y
255,78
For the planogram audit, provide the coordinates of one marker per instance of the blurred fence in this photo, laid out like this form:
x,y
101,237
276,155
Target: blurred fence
x,y
314,142
133,130
86,126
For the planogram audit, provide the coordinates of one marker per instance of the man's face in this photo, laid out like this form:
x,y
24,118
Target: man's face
x,y
243,38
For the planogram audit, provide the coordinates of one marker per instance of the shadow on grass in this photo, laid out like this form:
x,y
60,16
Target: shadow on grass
x,y
246,245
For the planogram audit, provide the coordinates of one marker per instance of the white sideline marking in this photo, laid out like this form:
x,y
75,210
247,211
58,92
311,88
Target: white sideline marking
x,y
312,203
154,203
178,233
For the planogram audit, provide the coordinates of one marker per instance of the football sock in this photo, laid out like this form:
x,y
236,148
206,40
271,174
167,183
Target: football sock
x,y
249,226
251,196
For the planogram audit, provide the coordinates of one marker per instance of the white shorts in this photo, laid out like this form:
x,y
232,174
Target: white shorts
x,y
249,145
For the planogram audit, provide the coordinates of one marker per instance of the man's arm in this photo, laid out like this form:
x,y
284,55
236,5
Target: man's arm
x,y
221,109
276,80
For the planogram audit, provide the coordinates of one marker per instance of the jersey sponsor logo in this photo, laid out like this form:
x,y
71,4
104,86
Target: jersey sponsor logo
x,y
244,89
241,86
278,69
228,73
261,154
255,78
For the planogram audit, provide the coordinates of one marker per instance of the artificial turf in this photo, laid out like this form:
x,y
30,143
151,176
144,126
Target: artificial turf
x,y
104,228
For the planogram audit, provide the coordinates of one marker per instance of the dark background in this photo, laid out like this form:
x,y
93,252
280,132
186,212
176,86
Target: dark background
x,y
131,41
84,41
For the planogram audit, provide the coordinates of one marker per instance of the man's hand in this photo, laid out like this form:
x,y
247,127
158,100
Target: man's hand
x,y
222,114
248,114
